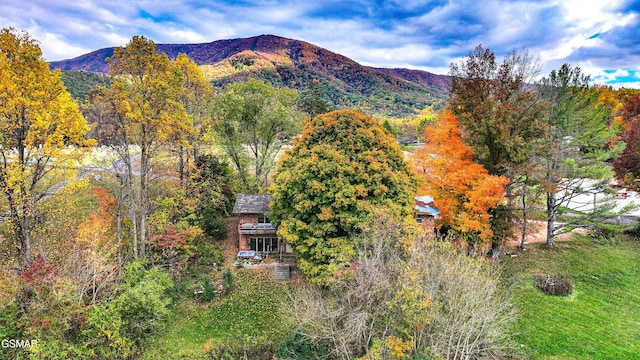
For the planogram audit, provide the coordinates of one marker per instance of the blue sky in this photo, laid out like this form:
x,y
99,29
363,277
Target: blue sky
x,y
601,37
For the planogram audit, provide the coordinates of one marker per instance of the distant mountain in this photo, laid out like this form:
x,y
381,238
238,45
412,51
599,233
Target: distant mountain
x,y
295,63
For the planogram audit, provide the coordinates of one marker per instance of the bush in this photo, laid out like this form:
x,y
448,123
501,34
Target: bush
x,y
607,233
634,231
428,294
297,346
117,328
212,223
241,348
208,291
227,280
557,285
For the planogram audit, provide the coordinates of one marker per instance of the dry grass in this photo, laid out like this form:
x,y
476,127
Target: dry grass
x,y
537,234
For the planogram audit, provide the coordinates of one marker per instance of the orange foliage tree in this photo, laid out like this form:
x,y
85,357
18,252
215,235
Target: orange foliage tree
x,y
94,261
463,190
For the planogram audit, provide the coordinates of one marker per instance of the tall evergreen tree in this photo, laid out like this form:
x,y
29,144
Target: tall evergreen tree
x,y
312,100
575,146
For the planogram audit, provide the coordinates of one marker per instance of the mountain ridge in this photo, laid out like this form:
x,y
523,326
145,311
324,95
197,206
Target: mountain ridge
x,y
295,63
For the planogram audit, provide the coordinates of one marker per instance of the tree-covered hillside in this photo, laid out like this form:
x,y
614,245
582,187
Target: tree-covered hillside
x,y
295,64
80,83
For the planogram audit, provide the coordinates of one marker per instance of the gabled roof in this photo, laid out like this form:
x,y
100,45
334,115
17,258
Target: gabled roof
x,y
427,210
423,206
252,204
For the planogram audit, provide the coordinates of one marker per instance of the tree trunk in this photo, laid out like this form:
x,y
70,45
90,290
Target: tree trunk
x,y
132,204
495,250
181,162
524,215
471,250
551,217
524,233
134,224
144,198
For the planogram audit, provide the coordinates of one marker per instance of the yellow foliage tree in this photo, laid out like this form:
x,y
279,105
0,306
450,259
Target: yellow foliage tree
x,y
196,97
38,119
145,92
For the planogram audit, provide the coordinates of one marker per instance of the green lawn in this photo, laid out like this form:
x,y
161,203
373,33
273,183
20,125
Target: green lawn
x,y
253,309
600,320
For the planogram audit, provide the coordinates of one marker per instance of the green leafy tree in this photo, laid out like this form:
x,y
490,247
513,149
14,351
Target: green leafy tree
x,y
118,328
387,126
213,187
344,165
254,121
312,100
575,147
38,119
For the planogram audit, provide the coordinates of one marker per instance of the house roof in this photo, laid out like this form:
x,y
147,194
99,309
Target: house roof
x,y
252,204
427,210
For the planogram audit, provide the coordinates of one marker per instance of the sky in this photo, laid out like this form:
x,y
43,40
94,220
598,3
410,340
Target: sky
x,y
599,36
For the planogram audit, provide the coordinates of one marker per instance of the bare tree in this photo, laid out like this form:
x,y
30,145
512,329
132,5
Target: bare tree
x,y
408,287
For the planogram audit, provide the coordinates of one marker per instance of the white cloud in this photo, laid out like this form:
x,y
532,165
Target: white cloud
x,y
556,30
53,47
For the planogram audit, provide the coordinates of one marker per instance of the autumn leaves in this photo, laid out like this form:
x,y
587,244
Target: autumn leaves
x,y
462,189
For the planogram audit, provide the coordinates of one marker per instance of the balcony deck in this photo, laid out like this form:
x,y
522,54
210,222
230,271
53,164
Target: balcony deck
x,y
260,229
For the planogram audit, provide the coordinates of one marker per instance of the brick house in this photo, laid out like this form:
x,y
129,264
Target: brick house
x,y
426,212
255,231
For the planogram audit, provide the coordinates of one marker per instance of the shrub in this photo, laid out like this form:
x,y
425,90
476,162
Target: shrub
x,y
208,290
446,303
241,348
557,285
118,327
227,280
212,224
297,346
634,231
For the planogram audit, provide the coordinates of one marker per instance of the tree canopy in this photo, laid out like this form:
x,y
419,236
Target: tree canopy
x,y
627,166
462,189
145,107
254,121
496,107
344,165
38,119
574,147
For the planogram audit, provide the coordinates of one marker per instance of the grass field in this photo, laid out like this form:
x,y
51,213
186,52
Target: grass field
x,y
600,320
253,309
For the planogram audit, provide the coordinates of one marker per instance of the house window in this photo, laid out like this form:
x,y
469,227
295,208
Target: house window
x,y
263,221
261,244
